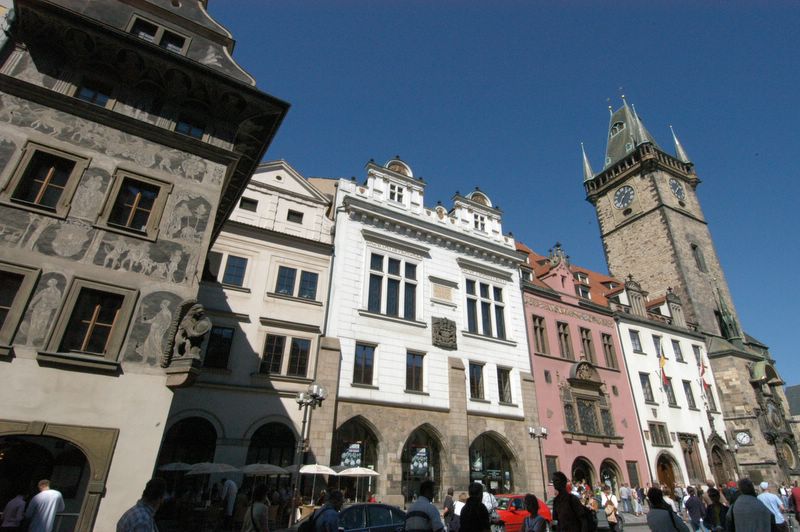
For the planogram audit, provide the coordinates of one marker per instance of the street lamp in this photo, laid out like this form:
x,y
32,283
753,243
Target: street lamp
x,y
307,400
540,433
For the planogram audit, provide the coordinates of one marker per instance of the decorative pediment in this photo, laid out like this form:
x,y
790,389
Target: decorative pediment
x,y
584,375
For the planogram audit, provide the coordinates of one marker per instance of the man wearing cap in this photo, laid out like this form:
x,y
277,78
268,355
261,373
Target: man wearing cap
x,y
774,505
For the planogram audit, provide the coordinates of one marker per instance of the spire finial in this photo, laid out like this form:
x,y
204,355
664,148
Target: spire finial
x,y
588,174
680,153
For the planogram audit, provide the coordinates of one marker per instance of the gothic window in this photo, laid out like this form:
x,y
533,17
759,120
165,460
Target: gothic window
x,y
392,287
363,363
671,399
539,335
617,127
647,389
609,352
414,368
504,385
587,344
564,343
587,416
699,259
485,309
475,380
687,390
218,350
636,342
676,349
136,205
569,417
45,179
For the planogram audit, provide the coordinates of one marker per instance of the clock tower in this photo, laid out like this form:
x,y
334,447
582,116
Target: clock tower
x,y
653,228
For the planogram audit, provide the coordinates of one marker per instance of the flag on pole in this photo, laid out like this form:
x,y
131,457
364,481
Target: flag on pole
x,y
703,381
662,361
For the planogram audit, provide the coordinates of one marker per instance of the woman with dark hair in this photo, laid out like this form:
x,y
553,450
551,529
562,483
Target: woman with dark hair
x,y
661,518
534,522
474,515
256,518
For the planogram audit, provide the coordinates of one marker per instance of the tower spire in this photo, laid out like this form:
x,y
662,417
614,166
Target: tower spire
x,y
641,134
587,168
680,153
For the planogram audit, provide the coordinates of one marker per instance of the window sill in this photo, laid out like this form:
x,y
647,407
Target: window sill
x,y
395,319
681,361
653,403
489,338
639,352
479,400
365,386
416,392
694,408
152,236
79,360
278,378
235,288
38,210
676,407
287,297
503,403
665,445
593,438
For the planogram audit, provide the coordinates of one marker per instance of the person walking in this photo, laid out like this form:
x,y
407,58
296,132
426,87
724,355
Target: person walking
x,y
326,518
256,517
228,499
455,521
678,493
568,512
775,505
695,508
13,513
43,508
662,517
794,495
625,498
715,512
635,502
533,522
141,516
747,512
423,516
490,501
474,516
448,506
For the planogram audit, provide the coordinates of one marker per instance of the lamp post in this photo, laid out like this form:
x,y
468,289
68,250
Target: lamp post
x,y
307,400
540,433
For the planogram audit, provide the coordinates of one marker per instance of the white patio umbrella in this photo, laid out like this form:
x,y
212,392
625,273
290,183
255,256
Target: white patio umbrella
x,y
175,466
313,469
263,469
358,472
209,468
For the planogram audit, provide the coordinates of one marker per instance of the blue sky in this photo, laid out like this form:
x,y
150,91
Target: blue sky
x,y
500,94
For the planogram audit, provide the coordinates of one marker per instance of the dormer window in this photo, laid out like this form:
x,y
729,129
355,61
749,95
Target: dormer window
x,y
396,193
479,222
158,35
583,291
617,127
582,277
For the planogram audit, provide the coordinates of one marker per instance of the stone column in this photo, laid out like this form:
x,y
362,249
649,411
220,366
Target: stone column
x,y
322,420
455,464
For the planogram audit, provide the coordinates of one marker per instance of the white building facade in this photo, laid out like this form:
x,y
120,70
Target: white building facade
x,y
674,391
435,377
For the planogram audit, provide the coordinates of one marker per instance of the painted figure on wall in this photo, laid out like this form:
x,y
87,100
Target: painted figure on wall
x,y
43,305
153,347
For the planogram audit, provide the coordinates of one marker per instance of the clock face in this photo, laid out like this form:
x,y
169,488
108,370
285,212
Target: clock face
x,y
774,416
623,197
677,189
743,438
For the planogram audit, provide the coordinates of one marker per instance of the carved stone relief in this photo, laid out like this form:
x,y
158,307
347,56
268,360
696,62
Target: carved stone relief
x,y
88,199
165,260
41,310
148,337
189,217
189,328
444,333
69,239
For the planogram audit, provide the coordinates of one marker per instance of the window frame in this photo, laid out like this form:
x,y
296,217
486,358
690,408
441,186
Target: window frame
x,y
159,35
583,291
669,391
501,396
689,393
250,202
16,310
227,355
401,278
363,381
87,81
494,305
539,327
477,390
677,351
291,213
609,352
397,193
479,222
156,213
647,391
289,336
417,377
564,341
587,343
116,337
224,270
636,341
299,273
655,435
64,202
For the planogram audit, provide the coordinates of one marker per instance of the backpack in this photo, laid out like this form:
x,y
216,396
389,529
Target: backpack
x,y
309,525
586,515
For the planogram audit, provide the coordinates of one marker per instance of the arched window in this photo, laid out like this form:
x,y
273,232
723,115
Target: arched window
x,y
272,443
191,440
617,127
490,462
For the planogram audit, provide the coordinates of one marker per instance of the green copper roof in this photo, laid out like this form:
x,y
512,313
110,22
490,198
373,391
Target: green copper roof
x,y
625,132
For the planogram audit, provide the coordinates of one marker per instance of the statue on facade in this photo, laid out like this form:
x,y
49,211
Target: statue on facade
x,y
190,327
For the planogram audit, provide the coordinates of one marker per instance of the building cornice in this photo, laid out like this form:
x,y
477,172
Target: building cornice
x,y
238,227
624,316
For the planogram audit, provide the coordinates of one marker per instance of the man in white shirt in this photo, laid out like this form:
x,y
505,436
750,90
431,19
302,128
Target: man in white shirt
x,y
43,508
774,505
228,496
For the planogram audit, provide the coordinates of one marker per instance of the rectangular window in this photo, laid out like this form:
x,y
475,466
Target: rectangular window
x,y
570,418
392,287
191,126
298,357
285,282
363,364
712,404
698,355
587,414
608,423
609,352
647,389
676,349
219,348
16,285
551,463
504,385
92,322
414,371
272,361
172,42
248,204
635,341
94,91
687,390
475,380
308,285
10,283
671,399
144,30
158,35
479,222
296,217
489,299
235,269
587,345
134,203
633,472
583,291
45,179
657,345
659,434
540,335
564,343
396,193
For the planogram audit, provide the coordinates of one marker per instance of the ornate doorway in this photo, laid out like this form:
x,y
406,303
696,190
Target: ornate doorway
x,y
582,470
667,471
610,475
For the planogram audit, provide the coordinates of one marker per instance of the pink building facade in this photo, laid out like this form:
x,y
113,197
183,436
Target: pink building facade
x,y
584,397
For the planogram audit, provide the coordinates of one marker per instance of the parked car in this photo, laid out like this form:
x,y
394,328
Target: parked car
x,y
367,517
511,510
